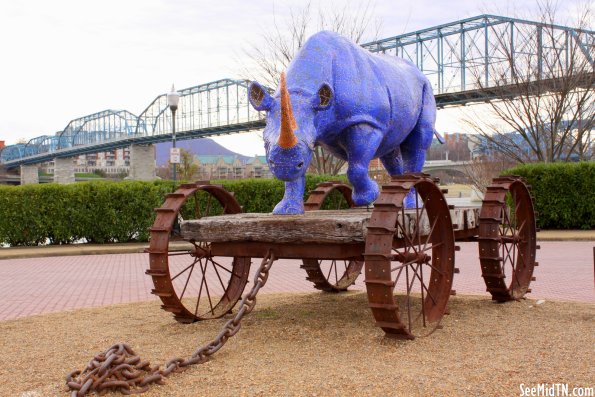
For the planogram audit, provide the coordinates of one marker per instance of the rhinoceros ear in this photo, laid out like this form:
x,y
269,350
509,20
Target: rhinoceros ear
x,y
324,97
259,97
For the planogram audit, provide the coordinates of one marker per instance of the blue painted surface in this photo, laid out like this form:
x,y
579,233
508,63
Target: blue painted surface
x,y
380,107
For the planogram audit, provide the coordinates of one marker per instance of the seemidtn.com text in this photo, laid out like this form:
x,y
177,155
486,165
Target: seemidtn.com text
x,y
555,390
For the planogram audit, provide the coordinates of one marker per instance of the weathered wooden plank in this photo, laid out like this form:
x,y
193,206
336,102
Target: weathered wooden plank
x,y
312,227
342,226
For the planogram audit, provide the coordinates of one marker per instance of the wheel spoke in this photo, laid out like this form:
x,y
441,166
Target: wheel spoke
x,y
207,289
435,268
424,286
233,274
408,297
330,269
202,282
178,253
186,284
218,275
400,226
423,302
505,254
399,275
515,258
430,235
419,217
186,268
402,265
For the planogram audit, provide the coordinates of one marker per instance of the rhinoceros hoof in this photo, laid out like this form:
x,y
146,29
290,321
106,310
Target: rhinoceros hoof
x,y
366,197
289,208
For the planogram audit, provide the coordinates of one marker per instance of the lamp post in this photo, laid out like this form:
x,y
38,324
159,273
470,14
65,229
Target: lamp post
x,y
173,98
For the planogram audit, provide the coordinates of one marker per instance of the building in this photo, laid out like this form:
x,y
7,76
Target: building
x,y
113,162
257,167
231,167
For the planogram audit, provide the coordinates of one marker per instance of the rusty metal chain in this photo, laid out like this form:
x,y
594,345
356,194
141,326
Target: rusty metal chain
x,y
120,369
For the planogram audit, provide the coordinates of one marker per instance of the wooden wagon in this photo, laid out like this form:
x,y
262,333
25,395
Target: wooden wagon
x,y
408,255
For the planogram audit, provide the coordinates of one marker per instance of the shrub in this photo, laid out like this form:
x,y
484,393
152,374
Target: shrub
x,y
564,193
108,211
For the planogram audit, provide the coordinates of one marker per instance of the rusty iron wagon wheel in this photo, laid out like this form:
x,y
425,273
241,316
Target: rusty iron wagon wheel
x,y
331,275
409,258
193,284
507,239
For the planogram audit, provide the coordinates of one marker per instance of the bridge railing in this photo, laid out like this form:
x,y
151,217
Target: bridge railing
x,y
216,104
223,103
488,50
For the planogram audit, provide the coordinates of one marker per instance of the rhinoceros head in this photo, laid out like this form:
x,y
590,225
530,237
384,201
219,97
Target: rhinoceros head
x,y
288,143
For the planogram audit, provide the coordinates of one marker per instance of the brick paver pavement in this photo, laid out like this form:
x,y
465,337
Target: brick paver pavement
x,y
43,285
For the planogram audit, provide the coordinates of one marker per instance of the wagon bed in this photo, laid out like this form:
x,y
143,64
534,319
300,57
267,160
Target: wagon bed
x,y
409,254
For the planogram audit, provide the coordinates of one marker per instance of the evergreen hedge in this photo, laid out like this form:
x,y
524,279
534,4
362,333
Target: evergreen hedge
x,y
564,193
108,211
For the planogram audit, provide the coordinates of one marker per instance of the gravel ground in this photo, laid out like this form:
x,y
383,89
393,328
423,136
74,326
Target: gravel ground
x,y
316,345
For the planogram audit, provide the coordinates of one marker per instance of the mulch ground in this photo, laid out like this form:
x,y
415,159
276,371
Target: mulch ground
x,y
315,345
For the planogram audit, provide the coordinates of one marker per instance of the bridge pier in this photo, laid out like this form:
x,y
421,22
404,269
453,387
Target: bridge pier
x,y
29,174
142,162
64,170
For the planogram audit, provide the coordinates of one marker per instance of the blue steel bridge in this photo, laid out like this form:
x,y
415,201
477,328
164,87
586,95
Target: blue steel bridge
x,y
467,61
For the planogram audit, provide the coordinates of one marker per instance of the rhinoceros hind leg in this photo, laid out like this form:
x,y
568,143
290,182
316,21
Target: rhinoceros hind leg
x,y
419,140
393,162
361,142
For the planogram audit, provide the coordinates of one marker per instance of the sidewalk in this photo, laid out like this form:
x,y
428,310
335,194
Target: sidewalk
x,y
135,248
30,286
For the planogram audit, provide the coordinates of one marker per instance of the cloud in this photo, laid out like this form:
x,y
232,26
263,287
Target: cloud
x,y
64,59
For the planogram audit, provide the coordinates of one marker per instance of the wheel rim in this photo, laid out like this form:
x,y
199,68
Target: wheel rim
x,y
409,258
192,283
507,243
331,275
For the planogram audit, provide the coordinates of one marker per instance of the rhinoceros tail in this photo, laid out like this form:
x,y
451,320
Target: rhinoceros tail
x,y
287,138
439,137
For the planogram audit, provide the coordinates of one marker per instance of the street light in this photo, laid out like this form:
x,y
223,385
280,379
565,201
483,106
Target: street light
x,y
173,98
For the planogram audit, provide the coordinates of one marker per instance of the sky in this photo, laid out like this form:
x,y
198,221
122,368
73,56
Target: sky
x,y
64,59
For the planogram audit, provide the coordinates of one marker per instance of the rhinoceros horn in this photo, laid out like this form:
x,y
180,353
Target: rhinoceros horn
x,y
287,138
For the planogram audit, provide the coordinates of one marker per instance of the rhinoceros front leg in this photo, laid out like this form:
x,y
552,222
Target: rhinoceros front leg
x,y
293,199
361,142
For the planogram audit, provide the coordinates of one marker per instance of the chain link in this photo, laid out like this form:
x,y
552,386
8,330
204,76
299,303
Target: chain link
x,y
120,369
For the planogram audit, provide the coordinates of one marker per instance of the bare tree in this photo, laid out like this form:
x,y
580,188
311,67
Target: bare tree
x,y
544,108
482,170
282,41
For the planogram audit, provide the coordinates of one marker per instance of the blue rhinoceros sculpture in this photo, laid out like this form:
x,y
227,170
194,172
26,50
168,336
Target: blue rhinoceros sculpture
x,y
356,104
